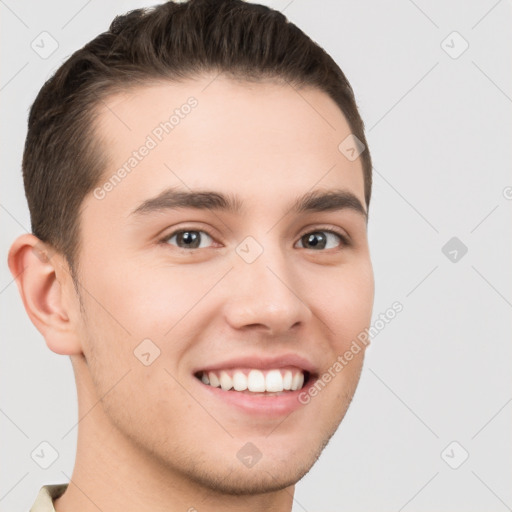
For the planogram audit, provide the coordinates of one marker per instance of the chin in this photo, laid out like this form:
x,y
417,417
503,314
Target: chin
x,y
257,480
273,472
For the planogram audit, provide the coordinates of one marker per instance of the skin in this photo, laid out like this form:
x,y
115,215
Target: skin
x,y
148,436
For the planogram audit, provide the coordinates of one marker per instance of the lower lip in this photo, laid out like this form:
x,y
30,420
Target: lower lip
x,y
258,403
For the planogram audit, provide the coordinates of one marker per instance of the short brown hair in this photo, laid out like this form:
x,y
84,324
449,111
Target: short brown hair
x,y
63,161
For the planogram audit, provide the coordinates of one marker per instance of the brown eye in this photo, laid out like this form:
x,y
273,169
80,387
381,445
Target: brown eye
x,y
318,240
188,238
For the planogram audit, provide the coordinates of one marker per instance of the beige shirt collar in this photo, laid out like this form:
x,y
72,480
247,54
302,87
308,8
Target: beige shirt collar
x,y
45,497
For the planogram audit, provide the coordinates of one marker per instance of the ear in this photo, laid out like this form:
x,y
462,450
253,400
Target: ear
x,y
46,288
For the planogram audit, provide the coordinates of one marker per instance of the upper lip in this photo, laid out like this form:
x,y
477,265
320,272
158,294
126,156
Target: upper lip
x,y
262,363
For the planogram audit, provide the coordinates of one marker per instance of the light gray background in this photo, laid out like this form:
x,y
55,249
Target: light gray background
x,y
440,133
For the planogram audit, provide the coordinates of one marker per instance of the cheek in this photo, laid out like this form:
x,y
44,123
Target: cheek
x,y
346,302
132,305
145,303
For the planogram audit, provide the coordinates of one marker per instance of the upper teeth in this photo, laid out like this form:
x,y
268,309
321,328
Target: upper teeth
x,y
255,380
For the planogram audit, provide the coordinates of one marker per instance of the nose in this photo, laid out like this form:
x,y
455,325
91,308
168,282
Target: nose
x,y
266,294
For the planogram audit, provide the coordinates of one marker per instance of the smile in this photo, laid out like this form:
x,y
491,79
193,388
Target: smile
x,y
258,385
253,380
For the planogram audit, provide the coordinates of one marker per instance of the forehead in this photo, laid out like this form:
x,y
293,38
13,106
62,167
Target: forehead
x,y
213,132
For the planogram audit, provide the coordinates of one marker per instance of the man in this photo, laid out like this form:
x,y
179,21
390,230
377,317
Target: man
x,y
198,182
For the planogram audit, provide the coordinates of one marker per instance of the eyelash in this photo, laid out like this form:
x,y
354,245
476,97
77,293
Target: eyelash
x,y
344,239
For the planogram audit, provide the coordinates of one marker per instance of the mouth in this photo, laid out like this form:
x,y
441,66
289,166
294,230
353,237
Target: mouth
x,y
255,381
258,386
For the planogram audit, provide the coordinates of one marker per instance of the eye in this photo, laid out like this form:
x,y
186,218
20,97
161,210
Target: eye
x,y
188,238
318,240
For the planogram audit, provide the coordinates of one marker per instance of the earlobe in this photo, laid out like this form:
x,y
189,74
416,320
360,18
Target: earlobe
x,y
45,286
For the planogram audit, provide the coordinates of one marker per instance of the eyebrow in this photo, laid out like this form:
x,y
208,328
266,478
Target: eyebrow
x,y
315,201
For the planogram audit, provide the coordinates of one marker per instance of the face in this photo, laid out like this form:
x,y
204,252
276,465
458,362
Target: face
x,y
185,294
